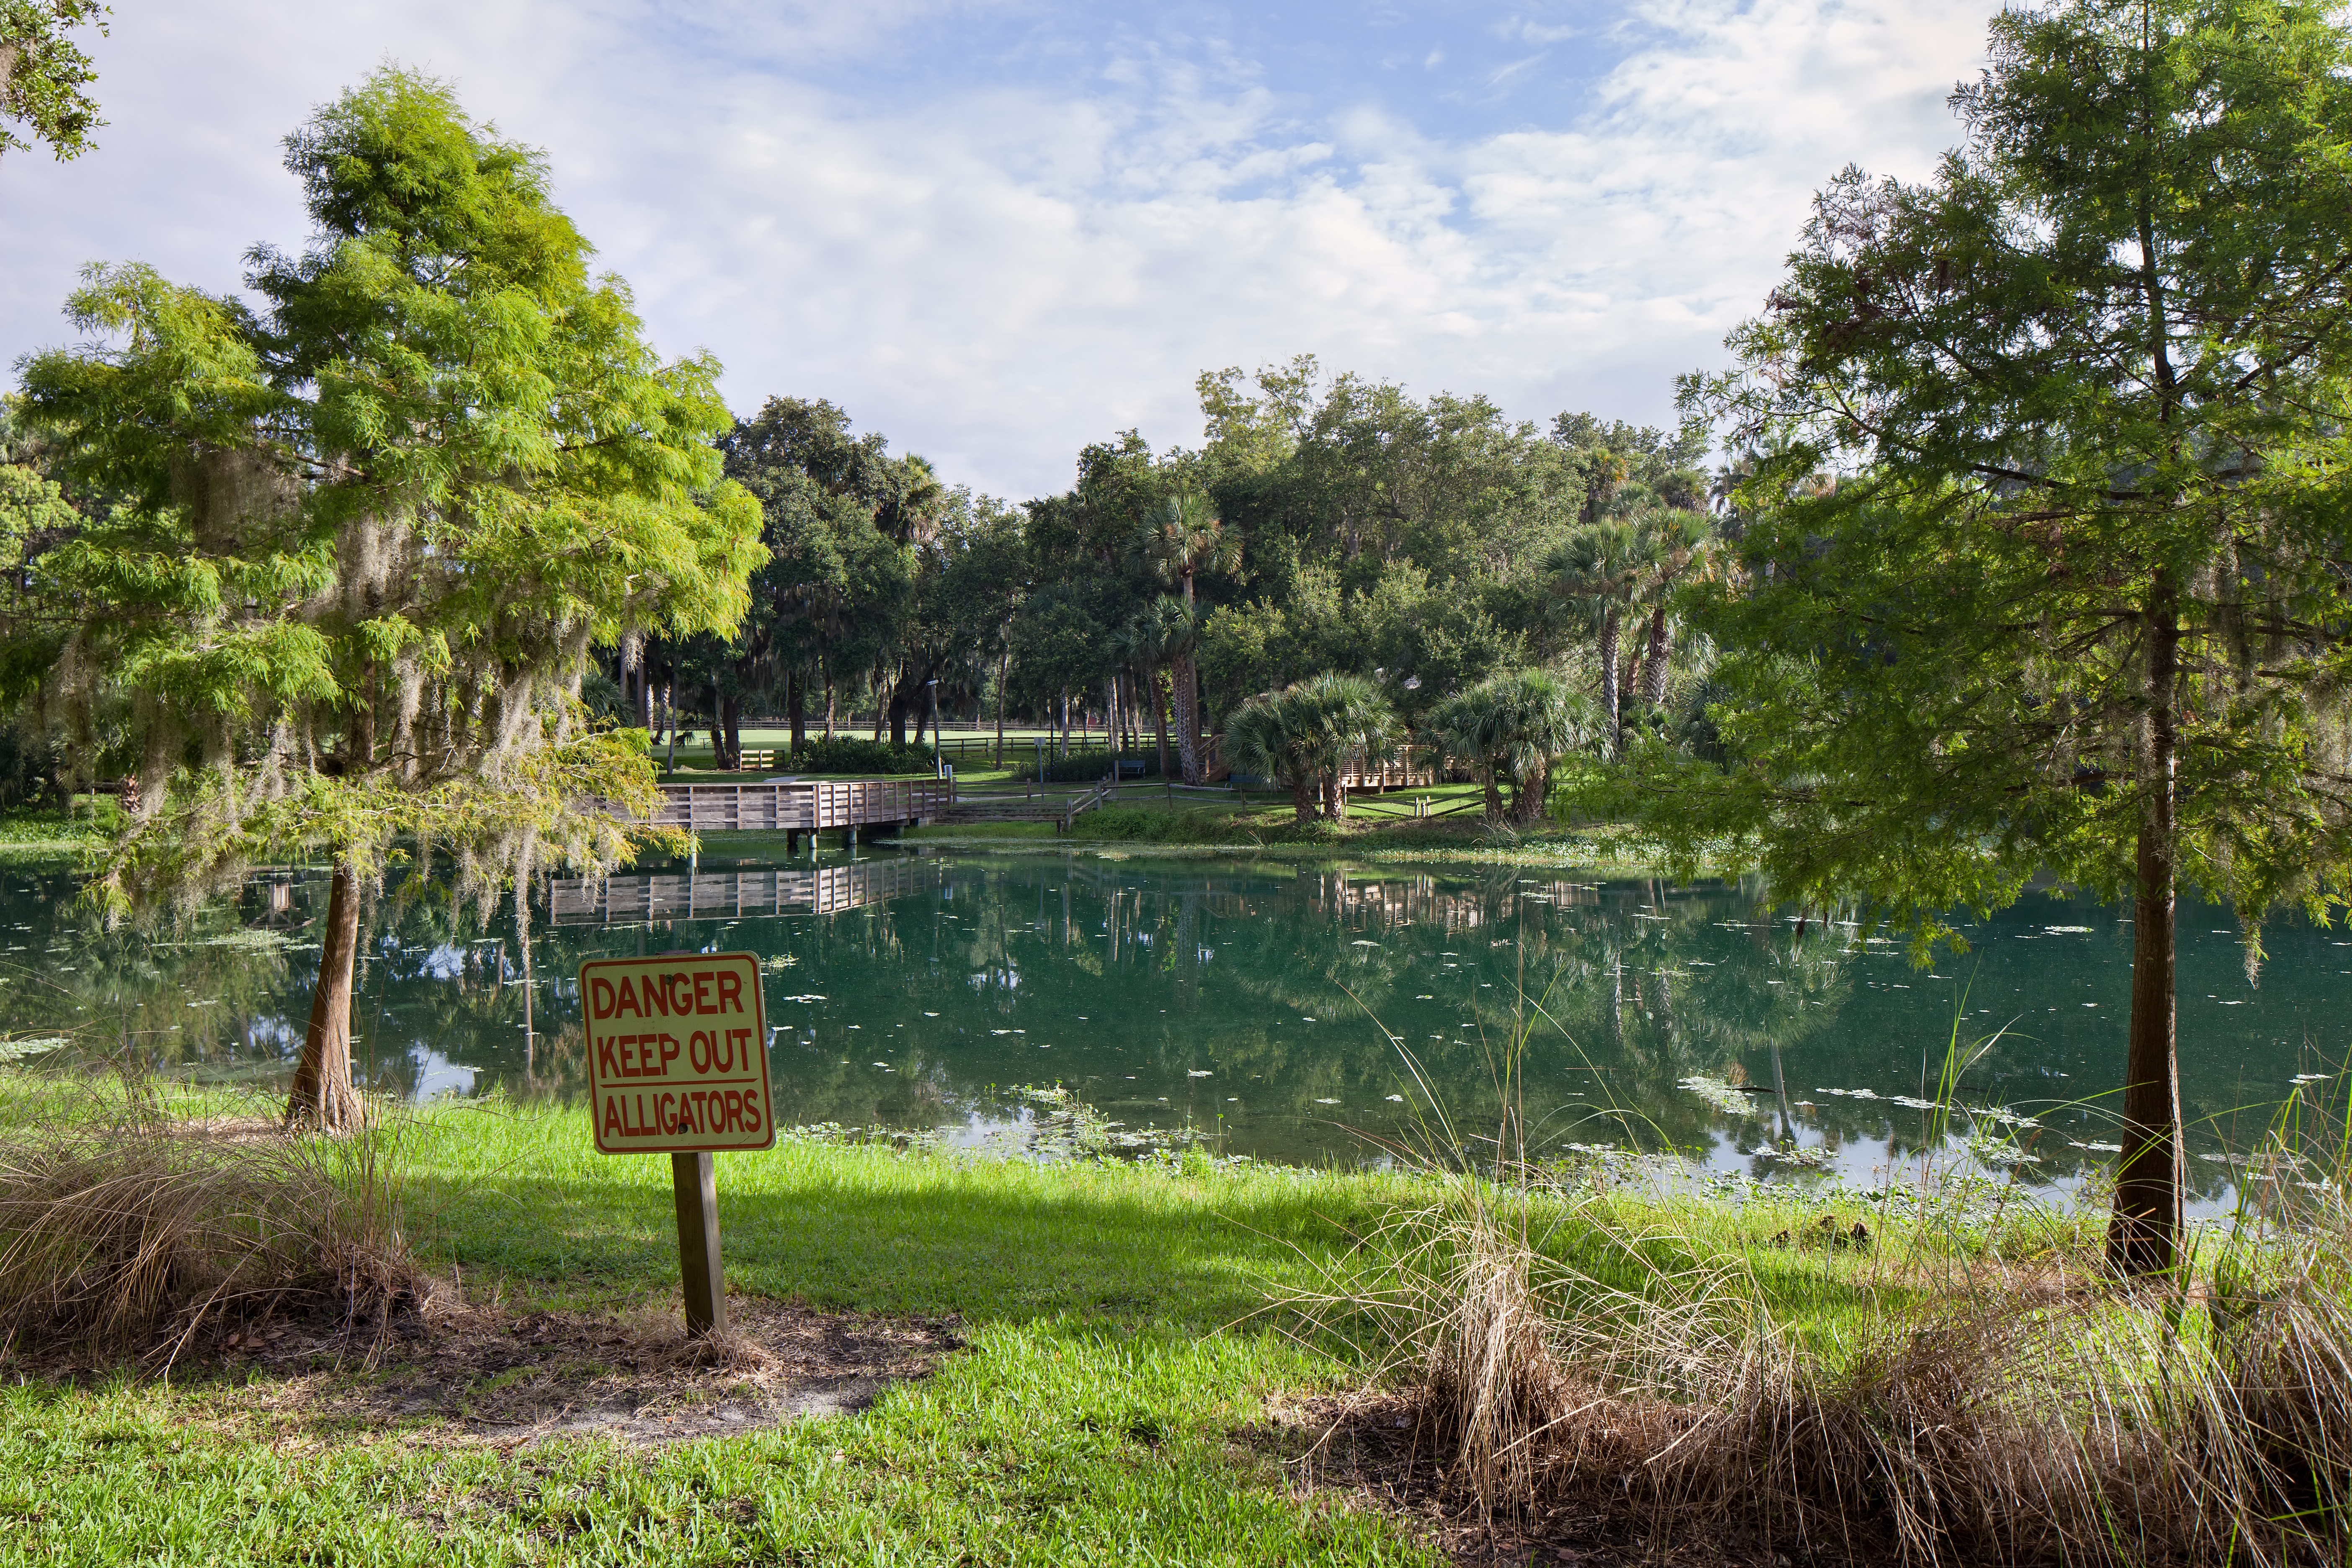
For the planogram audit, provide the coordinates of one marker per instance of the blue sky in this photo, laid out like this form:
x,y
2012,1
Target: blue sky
x,y
995,231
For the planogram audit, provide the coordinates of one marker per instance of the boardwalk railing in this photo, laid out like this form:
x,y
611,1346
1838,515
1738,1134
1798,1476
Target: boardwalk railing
x,y
803,806
727,895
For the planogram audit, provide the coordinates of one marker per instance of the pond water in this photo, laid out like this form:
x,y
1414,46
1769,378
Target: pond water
x,y
1284,1010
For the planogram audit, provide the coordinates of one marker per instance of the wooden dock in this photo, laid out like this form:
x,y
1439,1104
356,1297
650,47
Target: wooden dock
x,y
731,895
804,805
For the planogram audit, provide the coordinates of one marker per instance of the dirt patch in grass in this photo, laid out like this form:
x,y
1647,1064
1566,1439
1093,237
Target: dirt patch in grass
x,y
1379,1452
486,1374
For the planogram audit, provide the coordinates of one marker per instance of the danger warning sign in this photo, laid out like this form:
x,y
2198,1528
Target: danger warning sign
x,y
677,1054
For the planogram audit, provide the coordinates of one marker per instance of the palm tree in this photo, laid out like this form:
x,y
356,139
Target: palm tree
x,y
1518,724
1463,726
1599,570
1163,633
1269,736
1347,719
1306,734
1674,542
1184,538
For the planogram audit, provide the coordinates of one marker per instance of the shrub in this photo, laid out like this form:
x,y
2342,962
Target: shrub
x,y
853,754
119,1227
1083,767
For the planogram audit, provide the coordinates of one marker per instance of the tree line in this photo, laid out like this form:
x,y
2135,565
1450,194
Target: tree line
x,y
1324,527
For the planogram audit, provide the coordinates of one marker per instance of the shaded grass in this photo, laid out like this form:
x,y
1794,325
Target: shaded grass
x,y
38,833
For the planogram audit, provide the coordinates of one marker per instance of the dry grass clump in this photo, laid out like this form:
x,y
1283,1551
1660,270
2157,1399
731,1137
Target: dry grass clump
x,y
1950,1409
125,1228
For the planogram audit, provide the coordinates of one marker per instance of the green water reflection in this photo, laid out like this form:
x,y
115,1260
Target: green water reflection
x,y
1268,1006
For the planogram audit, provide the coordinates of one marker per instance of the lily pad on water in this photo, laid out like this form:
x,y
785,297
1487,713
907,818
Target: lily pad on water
x,y
1718,1094
17,1050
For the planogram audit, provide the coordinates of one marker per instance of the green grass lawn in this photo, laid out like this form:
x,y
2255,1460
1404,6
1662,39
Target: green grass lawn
x,y
1100,1302
1123,1330
29,832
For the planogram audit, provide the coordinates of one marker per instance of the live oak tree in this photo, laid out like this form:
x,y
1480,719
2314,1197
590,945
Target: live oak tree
x,y
2047,542
365,538
44,75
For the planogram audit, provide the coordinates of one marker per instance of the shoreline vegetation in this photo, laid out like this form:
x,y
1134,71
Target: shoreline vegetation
x,y
1251,828
1166,1356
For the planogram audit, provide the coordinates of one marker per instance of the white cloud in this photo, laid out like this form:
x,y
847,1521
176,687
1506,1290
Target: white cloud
x,y
996,273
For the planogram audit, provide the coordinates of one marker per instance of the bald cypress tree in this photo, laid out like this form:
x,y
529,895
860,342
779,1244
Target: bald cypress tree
x,y
2048,550
366,537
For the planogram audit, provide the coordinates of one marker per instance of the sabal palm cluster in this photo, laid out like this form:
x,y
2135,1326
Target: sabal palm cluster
x,y
1621,571
1183,539
1311,735
1515,727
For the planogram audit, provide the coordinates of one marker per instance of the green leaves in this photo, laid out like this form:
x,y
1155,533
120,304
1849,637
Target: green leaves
x,y
367,540
43,73
2012,429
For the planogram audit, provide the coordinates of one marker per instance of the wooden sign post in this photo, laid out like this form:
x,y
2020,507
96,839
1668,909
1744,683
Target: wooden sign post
x,y
677,1065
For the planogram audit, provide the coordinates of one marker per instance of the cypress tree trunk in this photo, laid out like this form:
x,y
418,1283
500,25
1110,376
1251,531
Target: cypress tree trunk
x,y
797,705
2145,1226
730,715
323,1096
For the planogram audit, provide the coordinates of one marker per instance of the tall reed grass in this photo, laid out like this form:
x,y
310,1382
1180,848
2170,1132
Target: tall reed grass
x,y
1906,1390
127,1225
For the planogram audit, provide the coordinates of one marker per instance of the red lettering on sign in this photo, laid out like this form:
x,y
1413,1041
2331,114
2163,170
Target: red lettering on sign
x,y
700,1087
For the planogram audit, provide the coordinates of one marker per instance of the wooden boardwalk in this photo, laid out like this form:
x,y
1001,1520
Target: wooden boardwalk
x,y
804,805
729,894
